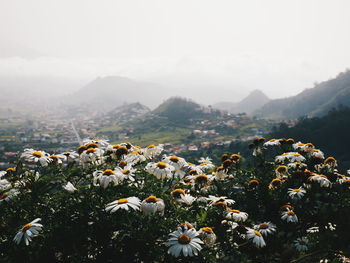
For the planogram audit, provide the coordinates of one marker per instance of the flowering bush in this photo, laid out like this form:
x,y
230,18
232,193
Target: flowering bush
x,y
123,203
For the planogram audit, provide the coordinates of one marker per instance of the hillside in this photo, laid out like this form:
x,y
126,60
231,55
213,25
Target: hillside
x,y
311,102
127,112
329,133
252,102
178,109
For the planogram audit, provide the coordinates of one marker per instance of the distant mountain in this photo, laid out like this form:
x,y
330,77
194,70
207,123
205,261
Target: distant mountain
x,y
311,102
249,104
107,93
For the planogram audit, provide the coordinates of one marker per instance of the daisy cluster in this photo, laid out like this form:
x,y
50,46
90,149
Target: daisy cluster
x,y
291,198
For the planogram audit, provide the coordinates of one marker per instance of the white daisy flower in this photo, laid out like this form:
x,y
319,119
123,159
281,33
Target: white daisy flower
x,y
93,155
213,200
178,163
152,151
207,235
134,157
4,184
28,231
184,242
290,156
307,147
8,171
70,156
331,226
124,203
282,172
321,179
298,145
70,187
161,170
289,216
272,142
236,215
297,193
297,165
301,244
99,142
312,230
256,237
127,173
152,205
232,225
206,166
266,228
117,151
106,177
56,158
186,199
31,155
7,196
205,160
221,173
316,153
2,173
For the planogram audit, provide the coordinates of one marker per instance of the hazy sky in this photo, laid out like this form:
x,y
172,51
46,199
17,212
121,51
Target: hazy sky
x,y
278,46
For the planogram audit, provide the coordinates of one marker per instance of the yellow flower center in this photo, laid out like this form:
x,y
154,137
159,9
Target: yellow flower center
x,y
208,230
161,165
92,145
90,150
54,157
264,226
290,140
122,150
81,149
257,233
184,239
122,164
152,199
201,178
10,170
296,190
123,201
126,171
151,146
177,193
253,182
235,157
330,161
174,159
3,196
192,172
108,172
116,146
290,213
235,211
220,204
296,154
276,181
282,169
37,154
202,164
26,227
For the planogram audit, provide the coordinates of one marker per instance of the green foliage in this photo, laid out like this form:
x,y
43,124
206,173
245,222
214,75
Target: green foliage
x,y
330,133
